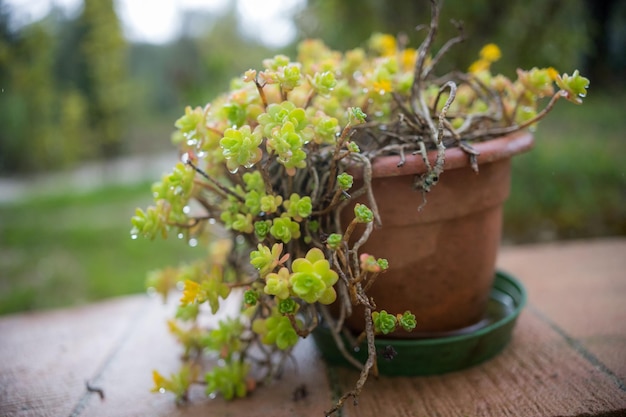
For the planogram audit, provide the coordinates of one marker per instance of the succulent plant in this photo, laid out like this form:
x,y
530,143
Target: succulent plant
x,y
266,167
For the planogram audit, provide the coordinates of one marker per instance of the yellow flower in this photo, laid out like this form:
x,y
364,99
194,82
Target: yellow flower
x,y
480,65
490,52
382,87
552,73
190,292
408,58
385,44
159,381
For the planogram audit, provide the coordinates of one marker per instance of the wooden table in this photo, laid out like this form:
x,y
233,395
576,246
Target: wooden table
x,y
567,356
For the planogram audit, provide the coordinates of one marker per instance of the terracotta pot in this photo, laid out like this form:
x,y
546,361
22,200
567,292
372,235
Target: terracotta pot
x,y
442,258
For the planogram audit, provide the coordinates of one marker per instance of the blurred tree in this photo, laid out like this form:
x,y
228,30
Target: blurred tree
x,y
155,96
27,97
605,61
103,56
63,84
221,54
195,67
529,32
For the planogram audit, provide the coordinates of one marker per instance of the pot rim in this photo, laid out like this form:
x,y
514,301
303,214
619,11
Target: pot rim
x,y
490,151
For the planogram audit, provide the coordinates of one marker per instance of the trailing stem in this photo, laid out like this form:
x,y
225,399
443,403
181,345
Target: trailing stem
x,y
370,365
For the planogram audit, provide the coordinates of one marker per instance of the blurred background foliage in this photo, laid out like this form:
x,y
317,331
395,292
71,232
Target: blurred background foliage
x,y
75,91
96,95
530,33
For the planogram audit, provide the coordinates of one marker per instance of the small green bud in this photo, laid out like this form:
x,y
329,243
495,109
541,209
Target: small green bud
x,y
270,203
191,120
326,129
383,263
407,321
249,76
290,77
265,259
262,228
229,380
287,306
254,181
276,330
334,241
253,202
575,86
242,223
368,263
324,82
353,147
344,180
188,312
284,229
276,62
298,207
250,297
383,322
240,147
356,115
235,113
363,213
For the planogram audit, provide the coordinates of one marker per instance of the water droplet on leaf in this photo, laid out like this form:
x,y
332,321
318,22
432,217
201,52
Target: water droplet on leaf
x,y
193,242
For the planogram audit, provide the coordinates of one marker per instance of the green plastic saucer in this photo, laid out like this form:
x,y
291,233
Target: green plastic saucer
x,y
444,354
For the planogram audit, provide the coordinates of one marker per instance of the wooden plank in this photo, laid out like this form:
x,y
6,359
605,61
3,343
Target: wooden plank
x,y
537,375
46,357
566,357
128,379
580,285
579,288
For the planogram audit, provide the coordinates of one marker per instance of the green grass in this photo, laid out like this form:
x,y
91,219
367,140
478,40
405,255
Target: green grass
x,y
573,183
71,249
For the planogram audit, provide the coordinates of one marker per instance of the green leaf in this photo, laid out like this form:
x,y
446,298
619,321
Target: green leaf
x,y
384,322
575,86
363,213
407,321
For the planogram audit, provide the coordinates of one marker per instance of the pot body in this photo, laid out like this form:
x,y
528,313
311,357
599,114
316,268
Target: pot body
x,y
441,258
